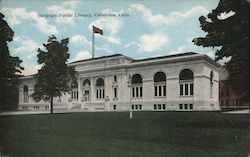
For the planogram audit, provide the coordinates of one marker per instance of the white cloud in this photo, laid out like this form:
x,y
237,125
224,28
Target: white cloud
x,y
61,11
210,54
110,26
82,55
79,39
17,15
26,45
82,40
177,51
152,42
224,16
133,43
173,18
224,60
71,4
30,70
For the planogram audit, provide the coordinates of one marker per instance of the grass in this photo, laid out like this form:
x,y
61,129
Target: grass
x,y
148,134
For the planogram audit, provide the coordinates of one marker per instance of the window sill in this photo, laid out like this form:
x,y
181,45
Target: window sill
x,y
186,96
159,97
136,98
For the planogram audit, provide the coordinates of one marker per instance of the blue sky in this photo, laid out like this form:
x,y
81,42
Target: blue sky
x,y
152,28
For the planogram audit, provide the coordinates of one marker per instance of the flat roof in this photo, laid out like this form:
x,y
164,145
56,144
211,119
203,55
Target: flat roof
x,y
167,56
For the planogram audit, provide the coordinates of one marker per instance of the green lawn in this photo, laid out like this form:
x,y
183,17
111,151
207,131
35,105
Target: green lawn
x,y
148,134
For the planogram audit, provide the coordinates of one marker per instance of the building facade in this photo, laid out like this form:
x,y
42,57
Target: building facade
x,y
182,82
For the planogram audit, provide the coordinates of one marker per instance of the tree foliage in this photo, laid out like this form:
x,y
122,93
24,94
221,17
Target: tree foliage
x,y
231,35
10,68
53,79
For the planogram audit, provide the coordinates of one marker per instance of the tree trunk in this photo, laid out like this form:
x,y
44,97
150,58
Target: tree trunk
x,y
51,105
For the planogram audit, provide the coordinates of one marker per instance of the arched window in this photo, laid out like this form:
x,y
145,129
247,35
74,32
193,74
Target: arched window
x,y
211,77
25,94
136,79
160,84
136,86
186,74
211,83
86,89
186,79
100,89
74,90
86,82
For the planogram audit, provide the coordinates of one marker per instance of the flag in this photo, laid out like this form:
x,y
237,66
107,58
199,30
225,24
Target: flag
x,y
97,30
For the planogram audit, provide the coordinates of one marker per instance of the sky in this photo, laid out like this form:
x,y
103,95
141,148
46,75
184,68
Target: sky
x,y
136,28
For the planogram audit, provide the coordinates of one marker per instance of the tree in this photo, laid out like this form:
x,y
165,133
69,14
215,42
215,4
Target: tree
x,y
227,28
10,68
53,79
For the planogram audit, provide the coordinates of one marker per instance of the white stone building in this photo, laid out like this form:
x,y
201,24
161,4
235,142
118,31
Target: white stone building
x,y
181,82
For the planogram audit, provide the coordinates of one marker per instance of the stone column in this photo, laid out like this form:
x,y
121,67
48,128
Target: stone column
x,y
92,90
107,92
79,91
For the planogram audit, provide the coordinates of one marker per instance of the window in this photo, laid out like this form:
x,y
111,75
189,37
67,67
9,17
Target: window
x,y
191,89
100,89
25,107
86,89
136,86
164,90
114,107
46,107
74,94
186,82
140,107
25,94
115,92
136,107
159,107
133,92
190,106
115,78
181,106
186,89
141,92
137,92
181,89
86,82
186,106
36,107
211,83
155,106
155,90
74,90
160,84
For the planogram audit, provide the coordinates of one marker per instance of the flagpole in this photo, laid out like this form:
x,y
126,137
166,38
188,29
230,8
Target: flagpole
x,y
93,43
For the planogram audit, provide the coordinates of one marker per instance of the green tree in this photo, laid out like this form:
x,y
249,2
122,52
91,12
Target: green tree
x,y
10,68
231,36
53,79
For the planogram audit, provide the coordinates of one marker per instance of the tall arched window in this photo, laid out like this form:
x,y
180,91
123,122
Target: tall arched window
x,y
211,83
100,88
186,79
136,86
86,89
160,84
86,82
74,90
25,94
